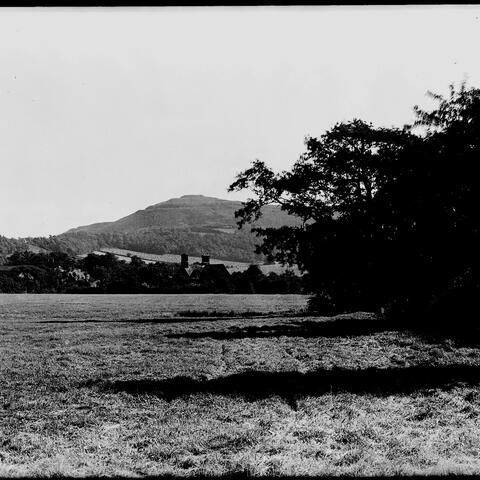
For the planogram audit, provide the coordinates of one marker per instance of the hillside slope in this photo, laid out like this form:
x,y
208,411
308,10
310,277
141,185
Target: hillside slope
x,y
194,212
194,224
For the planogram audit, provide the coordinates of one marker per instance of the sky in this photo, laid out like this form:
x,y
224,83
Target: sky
x,y
105,111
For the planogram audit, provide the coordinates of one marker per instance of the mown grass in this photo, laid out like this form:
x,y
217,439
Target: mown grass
x,y
260,396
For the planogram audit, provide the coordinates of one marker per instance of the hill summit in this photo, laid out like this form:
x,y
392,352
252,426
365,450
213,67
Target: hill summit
x,y
194,224
193,212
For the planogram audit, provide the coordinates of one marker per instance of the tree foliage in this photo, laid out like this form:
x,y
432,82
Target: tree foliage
x,y
56,272
389,215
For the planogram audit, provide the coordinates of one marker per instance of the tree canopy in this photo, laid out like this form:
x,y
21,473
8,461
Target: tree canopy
x,y
389,215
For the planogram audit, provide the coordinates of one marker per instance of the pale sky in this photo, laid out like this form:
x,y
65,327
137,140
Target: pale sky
x,y
105,111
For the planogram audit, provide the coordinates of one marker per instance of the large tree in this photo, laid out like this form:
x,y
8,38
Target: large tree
x,y
389,215
332,188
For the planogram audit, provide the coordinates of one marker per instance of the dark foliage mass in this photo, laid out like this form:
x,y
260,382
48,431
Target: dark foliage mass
x,y
390,216
58,272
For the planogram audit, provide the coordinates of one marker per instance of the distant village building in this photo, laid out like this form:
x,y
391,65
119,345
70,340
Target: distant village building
x,y
204,272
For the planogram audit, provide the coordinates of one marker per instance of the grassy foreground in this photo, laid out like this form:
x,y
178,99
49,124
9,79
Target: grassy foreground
x,y
263,396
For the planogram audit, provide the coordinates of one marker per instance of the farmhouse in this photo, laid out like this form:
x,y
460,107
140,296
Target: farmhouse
x,y
204,271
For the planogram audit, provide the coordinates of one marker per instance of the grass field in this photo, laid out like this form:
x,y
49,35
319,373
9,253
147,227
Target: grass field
x,y
129,385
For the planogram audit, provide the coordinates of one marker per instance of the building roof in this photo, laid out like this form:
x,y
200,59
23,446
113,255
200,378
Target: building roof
x,y
196,269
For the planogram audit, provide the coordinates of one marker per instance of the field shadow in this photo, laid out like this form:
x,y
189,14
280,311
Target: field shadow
x,y
469,338
328,328
140,320
291,385
74,321
306,328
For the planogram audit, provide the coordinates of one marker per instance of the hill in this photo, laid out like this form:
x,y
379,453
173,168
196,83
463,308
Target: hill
x,y
194,224
194,212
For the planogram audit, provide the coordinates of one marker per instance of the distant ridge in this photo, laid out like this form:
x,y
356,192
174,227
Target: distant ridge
x,y
194,224
188,211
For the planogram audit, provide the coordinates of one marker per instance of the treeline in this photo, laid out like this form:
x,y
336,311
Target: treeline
x,y
58,272
27,272
237,246
10,245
